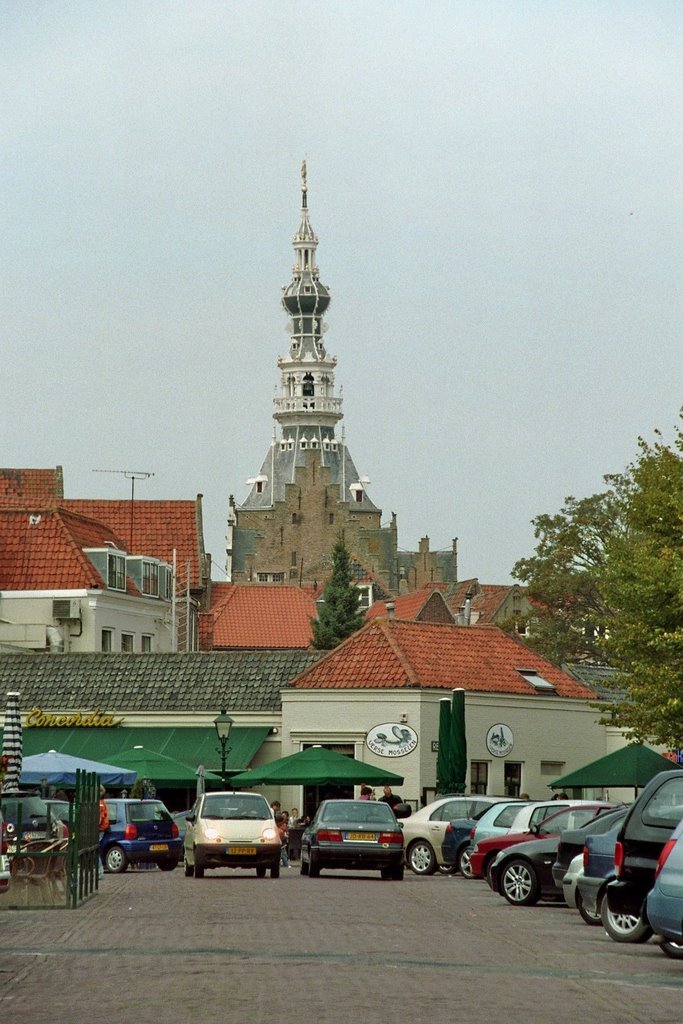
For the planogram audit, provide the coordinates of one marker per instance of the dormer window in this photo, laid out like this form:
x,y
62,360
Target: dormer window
x,y
314,442
303,443
116,572
150,579
537,681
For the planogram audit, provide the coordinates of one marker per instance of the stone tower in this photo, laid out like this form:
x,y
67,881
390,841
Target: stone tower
x,y
308,489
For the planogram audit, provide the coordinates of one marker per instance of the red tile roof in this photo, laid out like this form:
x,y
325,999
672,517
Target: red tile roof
x,y
41,549
260,616
158,527
406,606
30,485
395,654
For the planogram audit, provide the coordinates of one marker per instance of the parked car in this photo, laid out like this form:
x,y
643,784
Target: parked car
x,y
231,830
486,850
570,881
360,835
665,900
140,832
59,809
572,841
457,841
424,831
34,815
523,870
648,825
598,869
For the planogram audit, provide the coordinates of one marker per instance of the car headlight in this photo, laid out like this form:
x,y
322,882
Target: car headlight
x,y
269,834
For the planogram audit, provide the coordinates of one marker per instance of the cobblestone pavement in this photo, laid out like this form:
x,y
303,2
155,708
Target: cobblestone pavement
x,y
155,946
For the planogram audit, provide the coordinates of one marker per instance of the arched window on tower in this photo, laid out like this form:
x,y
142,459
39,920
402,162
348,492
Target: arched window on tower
x,y
308,389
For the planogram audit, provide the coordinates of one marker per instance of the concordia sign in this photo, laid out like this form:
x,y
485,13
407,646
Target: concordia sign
x,y
78,719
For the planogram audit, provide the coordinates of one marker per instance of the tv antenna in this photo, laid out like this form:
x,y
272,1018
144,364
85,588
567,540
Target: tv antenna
x,y
132,475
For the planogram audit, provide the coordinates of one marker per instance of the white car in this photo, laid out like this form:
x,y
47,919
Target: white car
x,y
232,830
423,831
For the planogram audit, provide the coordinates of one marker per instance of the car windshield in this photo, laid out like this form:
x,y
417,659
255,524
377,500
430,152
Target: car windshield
x,y
224,807
357,811
152,810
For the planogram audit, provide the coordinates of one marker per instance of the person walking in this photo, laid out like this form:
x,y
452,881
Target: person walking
x,y
390,798
104,826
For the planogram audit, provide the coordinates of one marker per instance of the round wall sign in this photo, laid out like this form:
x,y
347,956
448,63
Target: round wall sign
x,y
391,740
499,740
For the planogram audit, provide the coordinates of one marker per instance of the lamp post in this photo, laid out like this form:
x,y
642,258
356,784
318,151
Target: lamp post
x,y
223,725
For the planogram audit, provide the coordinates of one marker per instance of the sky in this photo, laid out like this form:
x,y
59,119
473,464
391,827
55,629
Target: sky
x,y
496,191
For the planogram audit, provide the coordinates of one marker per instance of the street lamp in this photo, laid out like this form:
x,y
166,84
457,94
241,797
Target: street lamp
x,y
223,724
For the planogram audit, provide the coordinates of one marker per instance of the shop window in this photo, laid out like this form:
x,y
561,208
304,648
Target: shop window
x,y
127,641
552,768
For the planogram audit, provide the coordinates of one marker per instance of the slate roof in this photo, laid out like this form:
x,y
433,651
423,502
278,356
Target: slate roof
x,y
406,606
238,680
261,616
422,655
31,485
599,678
41,549
158,528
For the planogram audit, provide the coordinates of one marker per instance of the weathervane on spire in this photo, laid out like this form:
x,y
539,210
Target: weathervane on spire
x,y
304,186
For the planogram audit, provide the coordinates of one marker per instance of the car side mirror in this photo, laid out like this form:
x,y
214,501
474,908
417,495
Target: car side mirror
x,y
403,810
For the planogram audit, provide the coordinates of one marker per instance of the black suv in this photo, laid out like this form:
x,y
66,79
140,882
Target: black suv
x,y
36,820
646,828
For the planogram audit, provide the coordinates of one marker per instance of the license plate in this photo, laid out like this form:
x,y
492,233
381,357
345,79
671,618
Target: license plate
x,y
363,837
243,851
158,846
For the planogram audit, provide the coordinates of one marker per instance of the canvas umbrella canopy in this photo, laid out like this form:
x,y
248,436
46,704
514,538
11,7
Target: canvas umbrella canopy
x,y
12,744
458,745
317,766
444,782
633,766
59,769
161,769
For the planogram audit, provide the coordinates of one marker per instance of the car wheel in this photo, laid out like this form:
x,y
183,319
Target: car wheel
x,y
275,871
397,872
589,916
189,870
260,870
624,927
519,884
464,863
314,864
303,867
488,871
198,868
421,858
168,865
672,949
115,860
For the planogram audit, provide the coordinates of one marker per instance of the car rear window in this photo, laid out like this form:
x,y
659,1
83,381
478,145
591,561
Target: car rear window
x,y
229,808
665,808
341,811
505,817
152,810
31,807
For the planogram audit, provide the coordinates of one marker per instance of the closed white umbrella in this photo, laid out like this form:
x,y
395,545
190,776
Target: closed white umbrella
x,y
12,743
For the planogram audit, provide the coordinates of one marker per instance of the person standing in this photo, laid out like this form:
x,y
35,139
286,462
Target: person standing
x,y
104,826
390,798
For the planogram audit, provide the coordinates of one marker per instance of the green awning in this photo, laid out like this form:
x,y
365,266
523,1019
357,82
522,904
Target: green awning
x,y
192,745
633,765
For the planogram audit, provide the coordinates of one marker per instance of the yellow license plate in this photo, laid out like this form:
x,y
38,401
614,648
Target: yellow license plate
x,y
243,851
158,846
363,837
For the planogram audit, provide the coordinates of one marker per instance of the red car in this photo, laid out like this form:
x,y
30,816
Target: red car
x,y
484,853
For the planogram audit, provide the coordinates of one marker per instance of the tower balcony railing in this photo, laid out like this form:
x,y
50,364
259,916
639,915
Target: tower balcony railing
x,y
308,403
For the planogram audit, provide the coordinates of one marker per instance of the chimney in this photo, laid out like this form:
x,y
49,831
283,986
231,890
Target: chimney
x,y
391,607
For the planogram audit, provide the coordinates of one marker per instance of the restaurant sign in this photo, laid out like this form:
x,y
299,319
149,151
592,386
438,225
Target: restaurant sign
x,y
499,740
73,720
391,740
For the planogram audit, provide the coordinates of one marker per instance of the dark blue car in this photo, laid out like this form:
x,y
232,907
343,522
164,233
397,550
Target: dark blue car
x,y
140,832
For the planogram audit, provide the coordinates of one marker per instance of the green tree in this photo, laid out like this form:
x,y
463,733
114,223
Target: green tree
x,y
642,579
339,615
607,580
564,575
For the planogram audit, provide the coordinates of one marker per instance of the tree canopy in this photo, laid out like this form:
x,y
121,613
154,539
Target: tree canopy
x,y
607,582
338,611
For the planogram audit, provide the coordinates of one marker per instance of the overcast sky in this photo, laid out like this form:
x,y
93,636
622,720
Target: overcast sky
x,y
497,192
